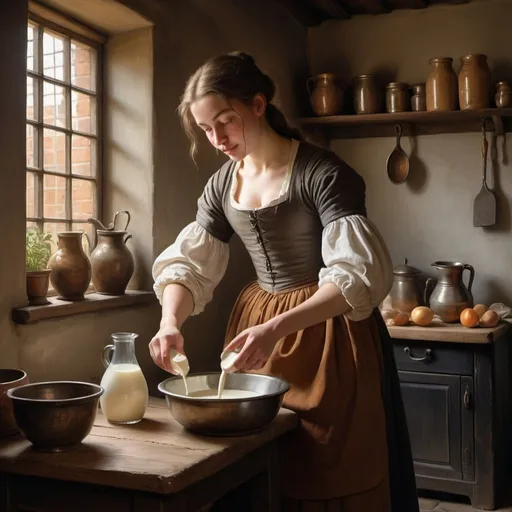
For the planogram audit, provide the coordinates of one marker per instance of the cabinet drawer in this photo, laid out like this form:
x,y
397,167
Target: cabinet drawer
x,y
432,357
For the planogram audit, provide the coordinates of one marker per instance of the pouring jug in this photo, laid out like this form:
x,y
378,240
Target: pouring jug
x,y
126,391
450,296
111,261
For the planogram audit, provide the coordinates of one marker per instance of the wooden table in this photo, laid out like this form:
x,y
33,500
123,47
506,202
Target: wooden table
x,y
153,466
456,386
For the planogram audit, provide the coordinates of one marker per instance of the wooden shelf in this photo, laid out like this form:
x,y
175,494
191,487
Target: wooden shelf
x,y
413,123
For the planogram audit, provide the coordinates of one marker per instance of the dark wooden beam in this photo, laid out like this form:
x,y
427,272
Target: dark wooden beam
x,y
450,1
375,6
304,12
334,8
408,4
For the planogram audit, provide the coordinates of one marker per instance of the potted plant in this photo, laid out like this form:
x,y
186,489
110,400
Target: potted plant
x,y
38,252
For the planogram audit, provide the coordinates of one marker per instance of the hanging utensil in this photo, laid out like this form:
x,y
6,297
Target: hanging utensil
x,y
397,164
484,207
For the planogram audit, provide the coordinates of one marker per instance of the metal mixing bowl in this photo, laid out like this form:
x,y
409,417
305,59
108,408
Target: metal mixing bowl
x,y
224,417
55,416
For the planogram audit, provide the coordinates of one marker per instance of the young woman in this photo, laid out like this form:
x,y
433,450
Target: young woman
x,y
311,317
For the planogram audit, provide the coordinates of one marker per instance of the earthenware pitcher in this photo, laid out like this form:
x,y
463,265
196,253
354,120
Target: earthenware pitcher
x,y
325,95
450,296
111,260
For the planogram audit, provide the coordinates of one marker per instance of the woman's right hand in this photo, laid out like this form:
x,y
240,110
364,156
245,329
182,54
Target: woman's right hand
x,y
167,337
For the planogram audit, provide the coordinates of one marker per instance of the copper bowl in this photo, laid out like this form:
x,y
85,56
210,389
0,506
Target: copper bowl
x,y
55,416
9,378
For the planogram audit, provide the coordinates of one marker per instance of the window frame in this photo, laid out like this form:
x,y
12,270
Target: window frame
x,y
39,219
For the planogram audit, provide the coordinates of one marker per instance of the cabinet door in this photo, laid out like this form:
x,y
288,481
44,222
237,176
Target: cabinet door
x,y
433,409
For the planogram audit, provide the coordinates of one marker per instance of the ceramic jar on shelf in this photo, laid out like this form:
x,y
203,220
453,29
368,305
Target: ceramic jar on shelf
x,y
474,82
367,98
441,87
503,95
419,98
397,97
325,95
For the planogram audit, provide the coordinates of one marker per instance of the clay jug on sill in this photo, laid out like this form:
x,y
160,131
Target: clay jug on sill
x,y
325,95
70,267
111,260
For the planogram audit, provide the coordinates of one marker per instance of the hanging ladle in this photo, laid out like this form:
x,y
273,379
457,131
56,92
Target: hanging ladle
x,y
397,164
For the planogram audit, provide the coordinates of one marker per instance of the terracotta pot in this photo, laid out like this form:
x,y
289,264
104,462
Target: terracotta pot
x,y
474,82
112,263
9,378
441,85
367,98
503,96
325,95
37,287
70,266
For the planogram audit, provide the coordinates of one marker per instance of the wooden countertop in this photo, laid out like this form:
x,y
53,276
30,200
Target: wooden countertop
x,y
453,333
157,455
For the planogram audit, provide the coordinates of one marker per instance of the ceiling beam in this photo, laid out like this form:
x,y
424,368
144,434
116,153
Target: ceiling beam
x,y
334,8
375,6
409,4
304,12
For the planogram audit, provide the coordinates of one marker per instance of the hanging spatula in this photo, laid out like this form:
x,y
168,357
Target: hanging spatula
x,y
484,207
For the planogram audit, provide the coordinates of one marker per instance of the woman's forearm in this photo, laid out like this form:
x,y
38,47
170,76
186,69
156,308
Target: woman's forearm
x,y
326,302
177,305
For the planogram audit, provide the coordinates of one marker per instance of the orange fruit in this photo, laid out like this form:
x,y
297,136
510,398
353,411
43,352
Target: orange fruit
x,y
480,309
469,318
401,319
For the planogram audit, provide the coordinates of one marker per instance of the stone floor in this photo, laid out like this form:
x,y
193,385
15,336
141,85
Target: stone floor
x,y
428,504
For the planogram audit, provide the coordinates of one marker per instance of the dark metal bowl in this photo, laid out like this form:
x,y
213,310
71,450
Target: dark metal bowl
x,y
225,417
55,416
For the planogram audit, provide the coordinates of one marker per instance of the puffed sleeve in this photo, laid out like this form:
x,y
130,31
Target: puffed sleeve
x,y
196,260
357,261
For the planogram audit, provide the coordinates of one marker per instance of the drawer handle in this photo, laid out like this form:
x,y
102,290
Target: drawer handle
x,y
426,357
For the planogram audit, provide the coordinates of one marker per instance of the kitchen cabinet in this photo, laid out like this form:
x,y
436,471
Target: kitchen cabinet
x,y
154,466
456,388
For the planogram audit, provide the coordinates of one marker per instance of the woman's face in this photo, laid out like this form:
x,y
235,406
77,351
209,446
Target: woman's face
x,y
231,126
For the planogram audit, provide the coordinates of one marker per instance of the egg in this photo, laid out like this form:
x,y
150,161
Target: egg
x,y
480,309
489,319
401,319
469,318
422,315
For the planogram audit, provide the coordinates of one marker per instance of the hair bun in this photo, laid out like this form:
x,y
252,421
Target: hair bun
x,y
245,57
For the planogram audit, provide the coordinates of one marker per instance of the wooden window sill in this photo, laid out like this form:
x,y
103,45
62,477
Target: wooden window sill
x,y
92,302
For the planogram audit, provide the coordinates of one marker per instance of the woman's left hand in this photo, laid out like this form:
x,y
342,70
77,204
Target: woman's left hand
x,y
257,344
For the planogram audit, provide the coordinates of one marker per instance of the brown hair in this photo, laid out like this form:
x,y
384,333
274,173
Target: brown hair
x,y
233,75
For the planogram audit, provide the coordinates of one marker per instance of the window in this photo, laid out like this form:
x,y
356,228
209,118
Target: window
x,y
63,128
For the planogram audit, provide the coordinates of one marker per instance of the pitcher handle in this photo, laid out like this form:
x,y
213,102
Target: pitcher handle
x,y
426,295
126,238
106,355
89,244
128,218
471,276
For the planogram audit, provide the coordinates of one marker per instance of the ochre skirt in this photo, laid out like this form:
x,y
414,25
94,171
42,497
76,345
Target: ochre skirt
x,y
337,460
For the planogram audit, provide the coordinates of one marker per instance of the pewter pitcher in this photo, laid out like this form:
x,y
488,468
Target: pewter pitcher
x,y
450,296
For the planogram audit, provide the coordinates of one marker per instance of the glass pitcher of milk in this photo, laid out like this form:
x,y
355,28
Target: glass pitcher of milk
x,y
125,398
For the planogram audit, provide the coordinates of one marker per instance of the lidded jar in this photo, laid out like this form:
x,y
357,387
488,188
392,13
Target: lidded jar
x,y
406,292
126,395
397,97
441,85
474,82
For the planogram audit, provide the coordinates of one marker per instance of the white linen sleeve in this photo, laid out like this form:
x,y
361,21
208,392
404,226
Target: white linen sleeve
x,y
196,260
358,262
